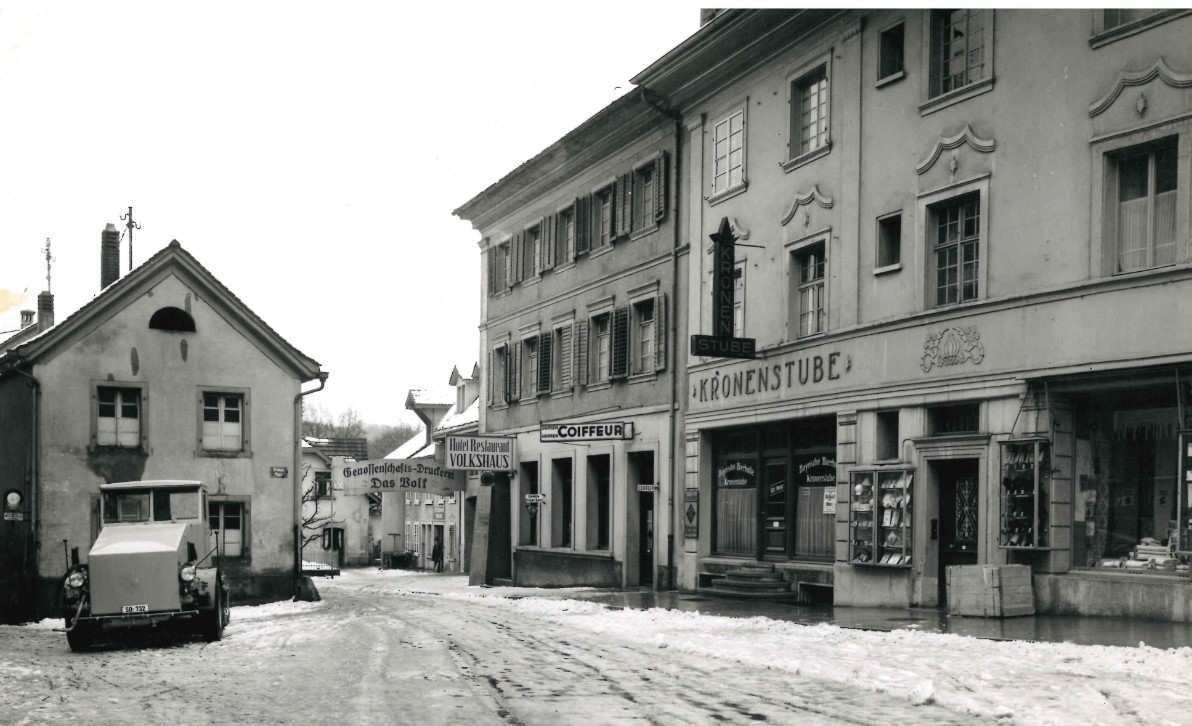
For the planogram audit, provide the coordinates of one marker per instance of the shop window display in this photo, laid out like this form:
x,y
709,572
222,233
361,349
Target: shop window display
x,y
1025,493
880,531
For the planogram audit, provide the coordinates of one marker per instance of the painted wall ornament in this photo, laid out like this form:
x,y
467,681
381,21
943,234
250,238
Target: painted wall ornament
x,y
952,346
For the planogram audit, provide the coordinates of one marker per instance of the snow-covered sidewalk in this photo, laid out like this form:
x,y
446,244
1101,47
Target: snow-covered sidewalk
x,y
1011,681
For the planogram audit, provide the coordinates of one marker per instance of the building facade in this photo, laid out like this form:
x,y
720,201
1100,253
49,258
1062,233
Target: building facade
x,y
962,248
337,530
580,249
165,374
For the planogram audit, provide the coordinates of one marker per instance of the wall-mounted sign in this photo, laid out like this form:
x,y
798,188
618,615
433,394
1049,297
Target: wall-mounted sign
x,y
691,513
724,254
647,487
830,500
481,453
279,472
535,499
14,516
723,346
575,432
735,475
400,475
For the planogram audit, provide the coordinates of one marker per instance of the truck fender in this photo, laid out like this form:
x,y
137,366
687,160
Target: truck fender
x,y
206,578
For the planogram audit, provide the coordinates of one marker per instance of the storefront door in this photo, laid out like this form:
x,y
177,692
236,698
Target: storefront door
x,y
645,542
775,486
958,522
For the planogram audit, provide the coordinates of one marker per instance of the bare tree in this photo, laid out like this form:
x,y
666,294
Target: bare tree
x,y
384,439
318,422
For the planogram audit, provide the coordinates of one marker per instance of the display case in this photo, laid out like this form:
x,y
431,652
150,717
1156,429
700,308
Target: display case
x,y
880,516
1025,494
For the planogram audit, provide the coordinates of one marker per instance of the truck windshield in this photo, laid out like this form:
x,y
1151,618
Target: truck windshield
x,y
145,505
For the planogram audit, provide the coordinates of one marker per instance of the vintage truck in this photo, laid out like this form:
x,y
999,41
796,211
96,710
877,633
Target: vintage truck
x,y
154,564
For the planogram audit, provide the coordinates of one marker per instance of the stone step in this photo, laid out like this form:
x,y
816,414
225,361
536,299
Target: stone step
x,y
752,584
779,596
756,576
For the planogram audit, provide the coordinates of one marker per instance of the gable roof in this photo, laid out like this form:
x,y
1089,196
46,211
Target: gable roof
x,y
430,397
172,260
357,448
416,446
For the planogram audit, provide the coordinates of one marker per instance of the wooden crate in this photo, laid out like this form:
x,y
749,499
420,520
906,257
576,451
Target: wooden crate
x,y
990,591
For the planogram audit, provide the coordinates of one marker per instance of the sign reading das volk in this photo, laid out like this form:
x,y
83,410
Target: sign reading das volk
x,y
614,431
480,453
380,475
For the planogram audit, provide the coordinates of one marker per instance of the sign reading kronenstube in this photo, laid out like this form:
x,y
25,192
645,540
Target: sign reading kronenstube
x,y
609,431
411,475
480,453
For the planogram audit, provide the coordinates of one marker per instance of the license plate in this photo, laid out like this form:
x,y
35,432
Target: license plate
x,y
134,609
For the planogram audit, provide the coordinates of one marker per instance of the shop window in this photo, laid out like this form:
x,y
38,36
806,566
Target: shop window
x,y
809,117
807,270
887,439
229,524
174,319
735,493
1141,215
889,240
962,418
561,503
728,152
223,422
959,43
118,417
890,52
599,502
956,246
528,529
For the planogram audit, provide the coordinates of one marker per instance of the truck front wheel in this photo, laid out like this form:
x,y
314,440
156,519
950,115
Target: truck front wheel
x,y
80,636
212,622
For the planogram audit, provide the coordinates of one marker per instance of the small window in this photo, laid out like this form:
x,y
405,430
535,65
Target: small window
x,y
529,384
118,417
228,524
958,49
322,485
956,243
561,363
643,197
887,436
223,422
499,380
1145,205
1116,18
809,280
174,319
889,240
533,253
728,152
890,52
566,236
810,124
960,418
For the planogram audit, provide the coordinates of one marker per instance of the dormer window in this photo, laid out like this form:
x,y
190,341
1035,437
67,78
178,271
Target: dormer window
x,y
175,319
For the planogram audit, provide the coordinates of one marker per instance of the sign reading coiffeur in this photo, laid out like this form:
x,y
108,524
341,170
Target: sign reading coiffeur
x,y
609,431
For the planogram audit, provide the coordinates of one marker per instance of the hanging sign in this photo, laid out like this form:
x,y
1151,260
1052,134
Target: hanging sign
x,y
480,453
405,475
576,432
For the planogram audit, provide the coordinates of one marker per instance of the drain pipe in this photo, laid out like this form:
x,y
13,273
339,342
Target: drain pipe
x,y
323,375
662,105
34,416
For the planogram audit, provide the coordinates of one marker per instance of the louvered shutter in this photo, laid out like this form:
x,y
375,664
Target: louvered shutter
x,y
544,362
515,253
492,269
564,354
488,377
620,342
581,353
512,364
660,187
583,224
560,239
527,261
507,263
660,332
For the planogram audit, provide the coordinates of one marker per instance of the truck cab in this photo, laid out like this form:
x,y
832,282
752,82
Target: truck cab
x,y
154,562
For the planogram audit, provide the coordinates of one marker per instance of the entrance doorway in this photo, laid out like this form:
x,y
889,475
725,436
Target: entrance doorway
x,y
645,538
958,521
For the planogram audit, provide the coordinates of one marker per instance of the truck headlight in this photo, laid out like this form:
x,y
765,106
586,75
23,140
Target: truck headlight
x,y
76,579
187,573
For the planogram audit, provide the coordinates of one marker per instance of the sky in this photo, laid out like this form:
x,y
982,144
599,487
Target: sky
x,y
308,154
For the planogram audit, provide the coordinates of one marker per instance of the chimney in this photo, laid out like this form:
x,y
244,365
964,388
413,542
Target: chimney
x,y
26,318
109,256
45,311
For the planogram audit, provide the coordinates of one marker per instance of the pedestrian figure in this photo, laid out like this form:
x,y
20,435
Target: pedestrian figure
x,y
436,555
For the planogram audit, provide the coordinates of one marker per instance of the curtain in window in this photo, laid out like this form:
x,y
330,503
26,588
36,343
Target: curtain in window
x,y
736,521
814,535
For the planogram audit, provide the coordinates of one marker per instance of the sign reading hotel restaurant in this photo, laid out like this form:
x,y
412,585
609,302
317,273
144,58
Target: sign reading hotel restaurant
x,y
480,453
610,431
409,475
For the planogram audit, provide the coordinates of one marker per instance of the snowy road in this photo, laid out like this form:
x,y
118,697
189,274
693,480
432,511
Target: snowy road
x,y
396,648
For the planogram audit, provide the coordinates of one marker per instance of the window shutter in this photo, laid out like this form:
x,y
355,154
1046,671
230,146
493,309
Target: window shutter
x,y
544,362
660,187
527,256
489,377
507,251
565,355
546,228
559,237
512,359
620,343
581,353
583,224
660,332
492,270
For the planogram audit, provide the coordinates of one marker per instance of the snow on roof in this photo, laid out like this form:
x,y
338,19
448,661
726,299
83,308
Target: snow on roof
x,y
431,396
356,448
412,448
453,419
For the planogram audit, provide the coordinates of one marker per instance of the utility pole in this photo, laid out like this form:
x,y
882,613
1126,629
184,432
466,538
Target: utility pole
x,y
49,258
131,226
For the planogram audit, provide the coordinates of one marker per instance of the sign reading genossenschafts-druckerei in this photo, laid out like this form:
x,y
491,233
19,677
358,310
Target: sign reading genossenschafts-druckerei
x,y
409,475
481,453
606,431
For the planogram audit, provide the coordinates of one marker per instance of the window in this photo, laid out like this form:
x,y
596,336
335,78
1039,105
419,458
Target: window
x,y
887,436
498,379
528,524
560,503
643,197
958,43
118,417
809,276
1145,205
322,484
890,52
533,260
540,365
728,152
889,240
602,347
961,418
529,385
599,502
1116,18
810,124
222,426
227,527
566,236
644,336
604,233
1115,24
956,241
561,360
739,300
170,318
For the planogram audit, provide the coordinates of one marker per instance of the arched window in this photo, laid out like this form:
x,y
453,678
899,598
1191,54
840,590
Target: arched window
x,y
172,319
